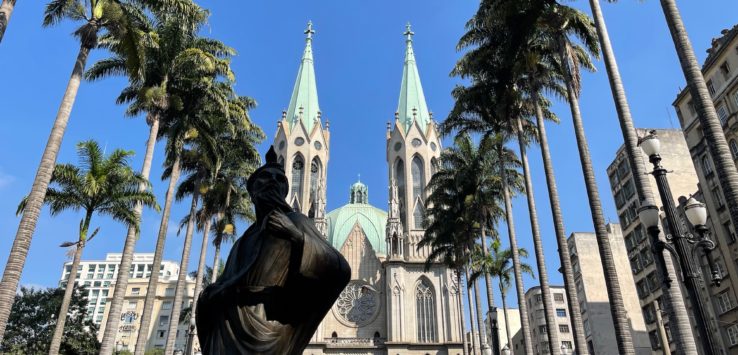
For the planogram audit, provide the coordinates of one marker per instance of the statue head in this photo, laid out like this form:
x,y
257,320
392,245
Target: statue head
x,y
268,185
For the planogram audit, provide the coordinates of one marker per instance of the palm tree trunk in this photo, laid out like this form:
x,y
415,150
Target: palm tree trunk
x,y
494,343
548,308
480,320
673,301
617,308
200,271
711,127
474,336
6,9
461,313
121,281
148,309
61,319
216,264
179,293
22,242
522,305
507,323
580,341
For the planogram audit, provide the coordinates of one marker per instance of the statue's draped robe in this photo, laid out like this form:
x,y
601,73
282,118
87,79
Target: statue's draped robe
x,y
272,294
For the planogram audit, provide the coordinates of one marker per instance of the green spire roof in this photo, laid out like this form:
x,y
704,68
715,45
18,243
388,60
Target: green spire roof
x,y
305,93
412,104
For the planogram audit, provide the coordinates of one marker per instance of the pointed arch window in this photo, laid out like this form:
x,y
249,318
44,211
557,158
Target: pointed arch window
x,y
418,215
315,173
418,177
298,174
425,311
400,178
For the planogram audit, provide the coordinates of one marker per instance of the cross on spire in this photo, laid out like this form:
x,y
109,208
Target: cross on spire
x,y
408,33
359,177
309,31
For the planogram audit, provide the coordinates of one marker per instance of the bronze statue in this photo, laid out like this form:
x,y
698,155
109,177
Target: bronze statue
x,y
280,280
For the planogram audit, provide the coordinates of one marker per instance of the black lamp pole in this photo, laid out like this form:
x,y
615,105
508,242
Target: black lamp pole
x,y
681,248
495,332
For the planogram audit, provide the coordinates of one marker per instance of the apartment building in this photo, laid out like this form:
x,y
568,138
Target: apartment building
x,y
721,74
683,182
594,301
538,328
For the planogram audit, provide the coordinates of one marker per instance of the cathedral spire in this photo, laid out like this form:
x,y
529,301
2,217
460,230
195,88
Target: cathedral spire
x,y
304,101
412,106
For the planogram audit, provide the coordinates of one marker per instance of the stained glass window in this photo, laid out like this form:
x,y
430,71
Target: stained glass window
x,y
298,172
425,311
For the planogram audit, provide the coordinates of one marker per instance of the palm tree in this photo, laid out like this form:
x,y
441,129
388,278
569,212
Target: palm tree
x,y
498,263
6,10
100,185
674,302
559,23
711,127
179,57
97,16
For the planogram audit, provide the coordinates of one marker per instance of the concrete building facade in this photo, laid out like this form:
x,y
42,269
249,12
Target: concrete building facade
x,y
683,182
505,320
721,76
537,318
99,277
592,293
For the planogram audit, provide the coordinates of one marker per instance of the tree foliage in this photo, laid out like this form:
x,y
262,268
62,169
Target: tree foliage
x,y
32,320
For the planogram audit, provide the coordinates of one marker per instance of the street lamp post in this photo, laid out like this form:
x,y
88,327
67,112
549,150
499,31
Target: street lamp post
x,y
679,240
495,332
190,336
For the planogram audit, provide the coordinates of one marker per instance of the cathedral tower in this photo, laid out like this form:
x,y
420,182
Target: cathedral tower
x,y
413,149
302,142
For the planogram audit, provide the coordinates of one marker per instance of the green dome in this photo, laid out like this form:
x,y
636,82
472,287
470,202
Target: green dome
x,y
372,220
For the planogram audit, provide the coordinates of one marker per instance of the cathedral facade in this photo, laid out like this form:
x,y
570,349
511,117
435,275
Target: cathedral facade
x,y
392,304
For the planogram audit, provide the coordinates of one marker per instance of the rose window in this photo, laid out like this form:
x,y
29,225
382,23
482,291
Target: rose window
x,y
357,304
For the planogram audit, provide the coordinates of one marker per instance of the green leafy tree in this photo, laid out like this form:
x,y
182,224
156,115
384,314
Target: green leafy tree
x,y
99,185
32,320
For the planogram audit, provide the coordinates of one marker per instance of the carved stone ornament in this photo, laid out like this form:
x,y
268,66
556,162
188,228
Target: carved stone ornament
x,y
357,305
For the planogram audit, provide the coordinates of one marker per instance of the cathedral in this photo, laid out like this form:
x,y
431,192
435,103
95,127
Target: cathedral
x,y
392,305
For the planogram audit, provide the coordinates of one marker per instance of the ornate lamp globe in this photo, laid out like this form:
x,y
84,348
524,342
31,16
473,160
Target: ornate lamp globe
x,y
696,212
649,215
651,144
506,350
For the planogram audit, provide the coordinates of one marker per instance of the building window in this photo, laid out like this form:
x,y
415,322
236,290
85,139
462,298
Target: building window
x,y
298,174
559,297
706,166
161,334
418,177
729,233
563,328
725,69
425,311
560,312
735,98
567,344
732,334
646,257
653,280
400,179
655,343
587,329
724,302
635,264
722,113
542,329
132,304
649,313
135,291
643,288
166,305
315,175
710,87
692,109
539,298
630,242
163,321
734,149
718,197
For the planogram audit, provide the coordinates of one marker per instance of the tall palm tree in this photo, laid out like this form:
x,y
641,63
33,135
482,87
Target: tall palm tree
x,y
560,23
100,185
498,263
97,16
674,302
175,62
711,127
6,10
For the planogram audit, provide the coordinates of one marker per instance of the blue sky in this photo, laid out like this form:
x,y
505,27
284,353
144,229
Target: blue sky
x,y
358,50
